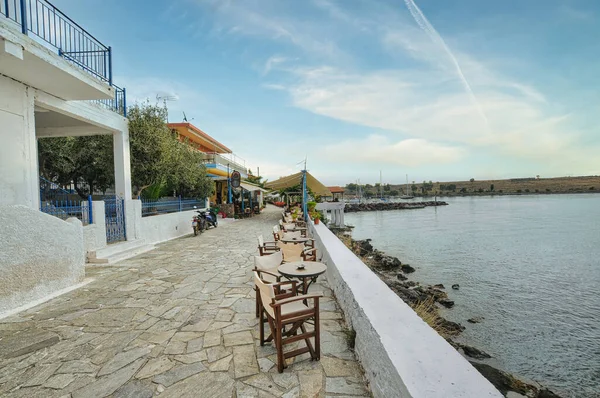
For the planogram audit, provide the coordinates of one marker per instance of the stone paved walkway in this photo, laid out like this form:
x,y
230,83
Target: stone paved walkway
x,y
175,322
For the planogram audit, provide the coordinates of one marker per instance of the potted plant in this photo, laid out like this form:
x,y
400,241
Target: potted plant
x,y
316,218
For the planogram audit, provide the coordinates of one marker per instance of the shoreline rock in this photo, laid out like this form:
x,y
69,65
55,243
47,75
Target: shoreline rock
x,y
413,293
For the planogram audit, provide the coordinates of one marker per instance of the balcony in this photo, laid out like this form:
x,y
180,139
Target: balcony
x,y
225,162
52,33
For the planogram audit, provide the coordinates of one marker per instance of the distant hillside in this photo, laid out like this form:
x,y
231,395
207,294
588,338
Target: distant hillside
x,y
486,187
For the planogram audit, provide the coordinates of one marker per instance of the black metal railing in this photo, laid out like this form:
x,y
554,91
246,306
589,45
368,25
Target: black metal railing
x,y
73,43
118,103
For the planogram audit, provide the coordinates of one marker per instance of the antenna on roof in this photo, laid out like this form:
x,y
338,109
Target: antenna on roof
x,y
184,117
165,98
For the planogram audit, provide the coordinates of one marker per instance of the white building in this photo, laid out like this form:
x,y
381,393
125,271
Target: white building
x,y
55,80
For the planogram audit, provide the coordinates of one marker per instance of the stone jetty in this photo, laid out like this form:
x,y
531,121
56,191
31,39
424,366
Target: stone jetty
x,y
353,208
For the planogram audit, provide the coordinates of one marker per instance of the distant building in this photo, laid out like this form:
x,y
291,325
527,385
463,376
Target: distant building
x,y
220,161
337,193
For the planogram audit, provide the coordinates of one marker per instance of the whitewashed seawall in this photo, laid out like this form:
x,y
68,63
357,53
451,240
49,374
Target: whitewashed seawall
x,y
402,356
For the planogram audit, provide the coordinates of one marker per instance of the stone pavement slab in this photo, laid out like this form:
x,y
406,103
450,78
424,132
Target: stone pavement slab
x,y
177,321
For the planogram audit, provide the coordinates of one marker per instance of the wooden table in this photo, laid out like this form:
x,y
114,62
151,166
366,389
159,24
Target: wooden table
x,y
295,240
308,275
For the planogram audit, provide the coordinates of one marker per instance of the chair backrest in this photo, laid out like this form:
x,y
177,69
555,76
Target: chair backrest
x,y
267,294
269,262
289,226
292,235
261,241
291,251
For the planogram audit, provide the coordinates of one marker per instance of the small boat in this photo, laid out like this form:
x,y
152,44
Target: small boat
x,y
408,192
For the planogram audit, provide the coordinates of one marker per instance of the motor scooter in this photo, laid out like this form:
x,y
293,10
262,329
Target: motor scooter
x,y
198,223
210,218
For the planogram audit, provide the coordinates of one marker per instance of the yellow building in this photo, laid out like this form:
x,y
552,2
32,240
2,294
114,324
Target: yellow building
x,y
219,160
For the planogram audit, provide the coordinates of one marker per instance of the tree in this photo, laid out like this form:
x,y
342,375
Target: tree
x,y
54,159
492,187
256,179
387,188
351,187
85,161
187,174
94,164
150,144
472,180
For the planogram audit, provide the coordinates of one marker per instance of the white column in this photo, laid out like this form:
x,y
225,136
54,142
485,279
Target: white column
x,y
19,181
122,164
123,179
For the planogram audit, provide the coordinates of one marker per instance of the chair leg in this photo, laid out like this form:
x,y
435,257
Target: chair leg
x,y
317,332
279,346
311,350
261,327
257,296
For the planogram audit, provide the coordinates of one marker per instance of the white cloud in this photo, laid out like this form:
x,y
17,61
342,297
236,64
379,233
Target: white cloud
x,y
376,150
181,98
272,62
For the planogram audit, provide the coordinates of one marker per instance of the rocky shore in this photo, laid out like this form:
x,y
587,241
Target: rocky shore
x,y
426,301
353,208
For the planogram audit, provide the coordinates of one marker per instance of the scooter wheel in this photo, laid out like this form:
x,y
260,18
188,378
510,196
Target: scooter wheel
x,y
195,231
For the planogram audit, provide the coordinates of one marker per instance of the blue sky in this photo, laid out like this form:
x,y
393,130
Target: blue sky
x,y
436,89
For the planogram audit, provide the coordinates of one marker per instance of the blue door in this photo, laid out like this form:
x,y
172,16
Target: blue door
x,y
114,209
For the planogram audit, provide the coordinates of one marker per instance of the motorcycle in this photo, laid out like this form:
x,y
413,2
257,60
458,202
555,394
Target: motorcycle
x,y
198,223
210,219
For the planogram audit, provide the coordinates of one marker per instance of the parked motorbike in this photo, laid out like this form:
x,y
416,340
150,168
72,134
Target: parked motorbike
x,y
210,219
198,223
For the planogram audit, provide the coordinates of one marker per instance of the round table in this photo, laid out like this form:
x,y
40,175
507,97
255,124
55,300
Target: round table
x,y
308,275
295,240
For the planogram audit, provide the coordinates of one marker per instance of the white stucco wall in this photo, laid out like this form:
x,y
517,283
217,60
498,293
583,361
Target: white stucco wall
x,y
402,356
156,229
18,152
94,235
39,255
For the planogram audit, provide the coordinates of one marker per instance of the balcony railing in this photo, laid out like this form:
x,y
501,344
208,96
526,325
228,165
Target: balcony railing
x,y
235,162
117,104
51,25
72,42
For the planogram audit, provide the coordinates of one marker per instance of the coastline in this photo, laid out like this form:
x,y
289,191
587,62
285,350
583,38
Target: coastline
x,y
426,301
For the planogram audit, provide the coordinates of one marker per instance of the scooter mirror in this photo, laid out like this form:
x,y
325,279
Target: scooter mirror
x,y
195,207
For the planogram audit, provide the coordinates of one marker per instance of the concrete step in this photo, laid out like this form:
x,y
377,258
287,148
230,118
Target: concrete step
x,y
116,252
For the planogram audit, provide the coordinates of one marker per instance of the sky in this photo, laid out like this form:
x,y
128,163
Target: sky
x,y
437,90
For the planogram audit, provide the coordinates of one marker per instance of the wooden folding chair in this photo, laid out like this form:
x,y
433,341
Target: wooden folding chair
x,y
297,252
276,230
288,309
267,264
265,248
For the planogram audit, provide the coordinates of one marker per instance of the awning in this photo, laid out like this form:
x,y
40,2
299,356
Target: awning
x,y
296,179
250,187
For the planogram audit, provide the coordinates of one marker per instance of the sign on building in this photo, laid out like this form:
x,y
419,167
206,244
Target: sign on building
x,y
235,179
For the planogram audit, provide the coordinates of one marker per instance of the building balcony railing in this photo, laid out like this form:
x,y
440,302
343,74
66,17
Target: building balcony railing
x,y
117,104
44,22
234,162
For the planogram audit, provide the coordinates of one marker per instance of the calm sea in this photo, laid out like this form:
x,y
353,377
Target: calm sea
x,y
530,265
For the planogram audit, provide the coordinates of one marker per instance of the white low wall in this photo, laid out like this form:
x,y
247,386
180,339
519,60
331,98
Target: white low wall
x,y
94,235
156,229
39,255
402,356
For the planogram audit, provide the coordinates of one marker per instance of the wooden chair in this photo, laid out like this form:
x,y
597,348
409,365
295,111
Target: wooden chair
x,y
286,309
292,235
267,264
265,248
297,252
